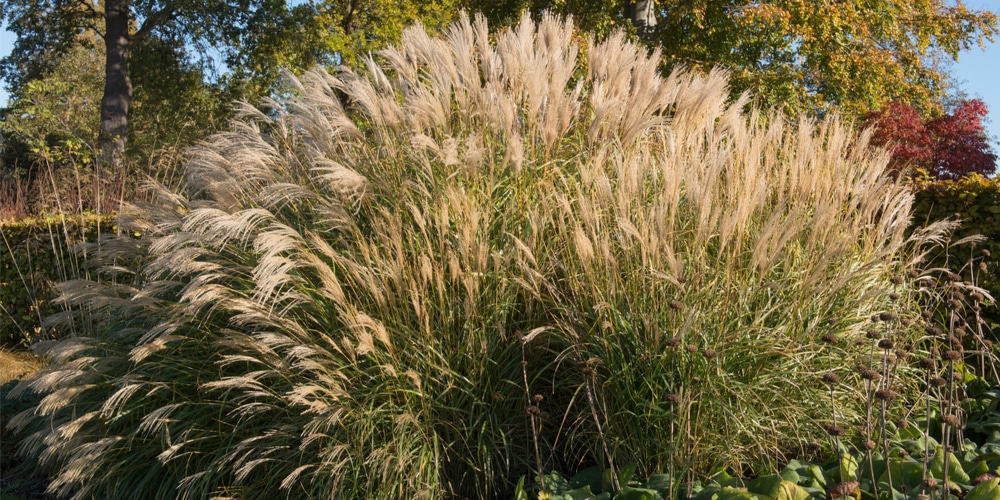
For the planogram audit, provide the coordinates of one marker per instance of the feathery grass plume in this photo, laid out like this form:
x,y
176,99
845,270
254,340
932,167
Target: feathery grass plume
x,y
340,303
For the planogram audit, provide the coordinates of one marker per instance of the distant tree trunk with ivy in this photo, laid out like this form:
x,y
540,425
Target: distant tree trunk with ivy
x,y
642,13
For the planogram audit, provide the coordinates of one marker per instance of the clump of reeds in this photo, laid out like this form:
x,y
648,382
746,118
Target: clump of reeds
x,y
365,285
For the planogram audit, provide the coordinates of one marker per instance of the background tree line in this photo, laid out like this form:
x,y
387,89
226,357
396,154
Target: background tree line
x,y
106,92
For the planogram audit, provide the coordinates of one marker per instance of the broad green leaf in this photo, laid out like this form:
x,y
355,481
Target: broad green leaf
x,y
591,476
629,493
956,473
659,482
901,472
986,490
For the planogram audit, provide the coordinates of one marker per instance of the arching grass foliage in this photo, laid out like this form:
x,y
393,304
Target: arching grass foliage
x,y
473,258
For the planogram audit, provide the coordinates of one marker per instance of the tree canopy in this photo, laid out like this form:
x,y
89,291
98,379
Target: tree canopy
x,y
947,147
811,55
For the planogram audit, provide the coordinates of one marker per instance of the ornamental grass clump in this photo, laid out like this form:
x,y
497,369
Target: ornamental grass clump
x,y
476,257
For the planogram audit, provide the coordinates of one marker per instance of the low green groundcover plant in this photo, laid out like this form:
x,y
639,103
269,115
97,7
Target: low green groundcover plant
x,y
488,256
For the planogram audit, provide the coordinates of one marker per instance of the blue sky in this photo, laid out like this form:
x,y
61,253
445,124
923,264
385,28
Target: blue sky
x,y
977,72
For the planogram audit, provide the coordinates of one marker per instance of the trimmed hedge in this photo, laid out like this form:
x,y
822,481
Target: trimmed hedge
x,y
35,255
975,200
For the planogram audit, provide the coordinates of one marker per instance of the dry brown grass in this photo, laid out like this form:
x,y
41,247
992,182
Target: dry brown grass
x,y
18,364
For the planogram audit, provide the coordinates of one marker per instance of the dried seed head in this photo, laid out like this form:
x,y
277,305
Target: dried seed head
x,y
986,476
982,267
906,321
874,318
544,415
682,280
886,395
831,378
902,453
935,330
868,445
901,355
951,355
928,363
937,381
927,314
896,280
988,343
953,276
676,304
695,380
814,447
672,398
902,424
873,334
886,316
538,398
930,483
913,273
673,342
588,371
953,304
985,252
691,348
886,344
834,430
830,338
893,297
976,296
951,420
709,354
958,295
867,373
532,410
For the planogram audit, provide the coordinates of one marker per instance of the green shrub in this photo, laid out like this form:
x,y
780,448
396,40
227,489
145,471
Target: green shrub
x,y
36,254
975,201
474,260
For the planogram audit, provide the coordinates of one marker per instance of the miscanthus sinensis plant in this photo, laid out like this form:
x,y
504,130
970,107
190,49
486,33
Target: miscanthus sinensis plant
x,y
476,257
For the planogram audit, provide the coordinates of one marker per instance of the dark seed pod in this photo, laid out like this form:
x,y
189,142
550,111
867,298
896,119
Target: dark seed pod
x,y
886,344
867,373
676,304
976,296
885,395
938,381
709,354
896,280
588,371
930,483
673,342
951,420
538,398
672,398
868,445
927,314
691,348
902,424
985,252
696,380
951,355
906,321
886,316
913,273
874,318
928,363
982,267
831,378
830,338
893,297
873,334
953,304
814,447
834,430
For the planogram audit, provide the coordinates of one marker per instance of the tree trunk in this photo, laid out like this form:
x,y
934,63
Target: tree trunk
x,y
642,13
117,86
